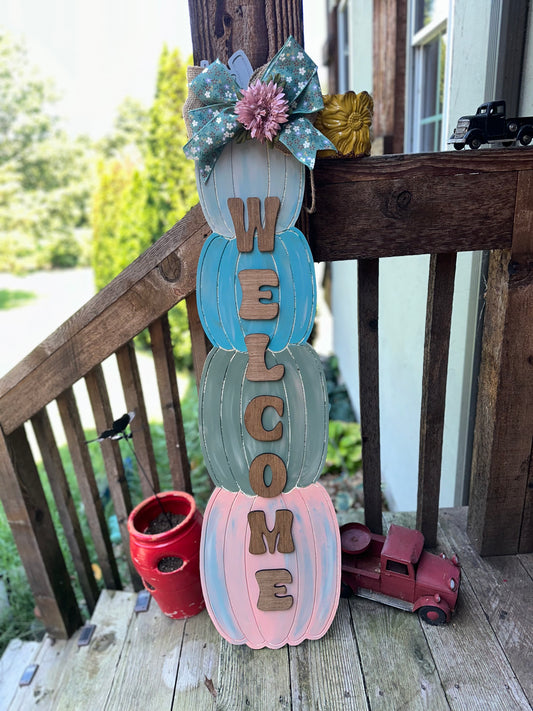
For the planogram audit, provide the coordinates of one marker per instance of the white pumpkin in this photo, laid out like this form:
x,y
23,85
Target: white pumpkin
x,y
251,169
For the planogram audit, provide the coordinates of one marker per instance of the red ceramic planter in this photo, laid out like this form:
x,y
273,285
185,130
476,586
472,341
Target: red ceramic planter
x,y
177,591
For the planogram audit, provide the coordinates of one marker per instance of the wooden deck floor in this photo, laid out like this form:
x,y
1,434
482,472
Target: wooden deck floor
x,y
373,657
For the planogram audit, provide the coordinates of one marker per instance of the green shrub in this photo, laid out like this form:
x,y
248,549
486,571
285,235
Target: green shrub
x,y
344,448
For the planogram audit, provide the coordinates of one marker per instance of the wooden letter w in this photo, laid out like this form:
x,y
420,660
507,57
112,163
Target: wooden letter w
x,y
265,235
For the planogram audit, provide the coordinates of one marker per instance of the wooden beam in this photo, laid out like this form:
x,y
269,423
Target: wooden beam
x,y
28,515
500,520
401,205
221,27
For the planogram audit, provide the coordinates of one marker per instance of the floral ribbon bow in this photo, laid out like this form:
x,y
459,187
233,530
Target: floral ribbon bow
x,y
273,108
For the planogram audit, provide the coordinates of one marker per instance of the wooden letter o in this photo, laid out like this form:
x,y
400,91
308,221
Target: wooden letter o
x,y
257,475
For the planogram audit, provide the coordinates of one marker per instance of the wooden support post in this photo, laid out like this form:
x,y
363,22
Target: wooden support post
x,y
368,305
501,498
436,347
221,27
33,530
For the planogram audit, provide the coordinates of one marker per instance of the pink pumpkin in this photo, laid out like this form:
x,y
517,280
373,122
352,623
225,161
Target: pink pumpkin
x,y
303,592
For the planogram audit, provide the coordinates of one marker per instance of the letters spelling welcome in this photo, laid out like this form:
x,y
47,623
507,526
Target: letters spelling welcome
x,y
256,304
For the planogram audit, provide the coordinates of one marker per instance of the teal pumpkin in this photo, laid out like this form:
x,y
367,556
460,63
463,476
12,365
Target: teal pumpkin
x,y
219,291
225,394
251,169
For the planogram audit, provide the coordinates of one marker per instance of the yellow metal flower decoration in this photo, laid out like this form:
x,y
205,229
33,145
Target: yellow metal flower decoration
x,y
346,120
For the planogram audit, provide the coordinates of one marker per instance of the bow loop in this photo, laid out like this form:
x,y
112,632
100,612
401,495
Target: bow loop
x,y
292,82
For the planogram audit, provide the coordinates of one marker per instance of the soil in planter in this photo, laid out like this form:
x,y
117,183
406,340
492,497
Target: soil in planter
x,y
164,522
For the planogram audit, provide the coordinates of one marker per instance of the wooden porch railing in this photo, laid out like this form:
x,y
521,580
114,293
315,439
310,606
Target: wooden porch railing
x,y
438,204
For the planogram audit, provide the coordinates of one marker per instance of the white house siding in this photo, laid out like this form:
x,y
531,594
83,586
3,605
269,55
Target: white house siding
x,y
403,288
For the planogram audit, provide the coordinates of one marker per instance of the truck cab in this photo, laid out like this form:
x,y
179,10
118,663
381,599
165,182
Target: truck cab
x,y
397,571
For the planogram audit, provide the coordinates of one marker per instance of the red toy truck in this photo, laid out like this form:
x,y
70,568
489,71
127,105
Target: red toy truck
x,y
397,571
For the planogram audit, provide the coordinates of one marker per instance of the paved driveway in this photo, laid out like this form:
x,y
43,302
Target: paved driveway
x,y
59,295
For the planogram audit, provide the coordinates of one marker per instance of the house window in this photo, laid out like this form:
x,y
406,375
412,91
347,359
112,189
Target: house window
x,y
428,58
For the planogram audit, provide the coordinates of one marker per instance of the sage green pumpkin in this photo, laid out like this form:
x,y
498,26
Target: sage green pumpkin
x,y
225,394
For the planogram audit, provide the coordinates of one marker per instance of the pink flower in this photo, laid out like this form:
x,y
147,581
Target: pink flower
x,y
262,110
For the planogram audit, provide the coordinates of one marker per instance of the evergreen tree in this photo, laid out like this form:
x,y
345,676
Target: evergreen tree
x,y
146,186
170,175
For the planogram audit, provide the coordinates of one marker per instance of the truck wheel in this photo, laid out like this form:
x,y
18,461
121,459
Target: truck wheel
x,y
458,146
432,615
525,137
346,590
474,142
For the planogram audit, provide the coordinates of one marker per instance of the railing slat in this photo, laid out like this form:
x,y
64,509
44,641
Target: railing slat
x,y
28,515
170,404
436,348
140,429
200,344
65,506
368,307
92,503
116,476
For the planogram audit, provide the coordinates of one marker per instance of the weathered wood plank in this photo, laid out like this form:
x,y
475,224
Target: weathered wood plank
x,y
368,309
89,672
435,374
83,468
198,673
116,476
109,320
221,27
29,517
144,678
14,660
51,656
398,666
65,506
500,502
503,588
313,685
266,687
412,214
472,667
180,468
140,429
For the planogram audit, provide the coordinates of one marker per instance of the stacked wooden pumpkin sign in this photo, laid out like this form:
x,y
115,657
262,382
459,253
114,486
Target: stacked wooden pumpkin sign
x,y
270,548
